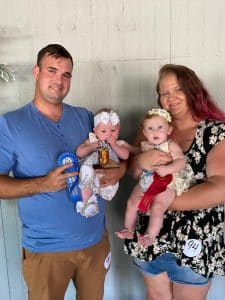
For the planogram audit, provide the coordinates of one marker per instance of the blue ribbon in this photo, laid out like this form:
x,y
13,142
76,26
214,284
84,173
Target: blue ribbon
x,y
72,182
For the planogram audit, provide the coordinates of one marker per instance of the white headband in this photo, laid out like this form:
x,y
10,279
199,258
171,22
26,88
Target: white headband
x,y
105,117
160,112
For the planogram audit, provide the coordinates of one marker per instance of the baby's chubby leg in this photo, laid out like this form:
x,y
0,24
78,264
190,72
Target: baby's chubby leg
x,y
88,207
86,178
159,205
130,214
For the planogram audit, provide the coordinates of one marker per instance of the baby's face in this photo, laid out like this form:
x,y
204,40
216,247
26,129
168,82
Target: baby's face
x,y
104,131
156,130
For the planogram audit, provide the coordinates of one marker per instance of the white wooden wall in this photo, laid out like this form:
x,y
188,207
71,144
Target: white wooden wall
x,y
118,47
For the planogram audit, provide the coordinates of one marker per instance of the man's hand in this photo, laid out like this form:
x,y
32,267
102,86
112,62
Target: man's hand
x,y
113,175
56,179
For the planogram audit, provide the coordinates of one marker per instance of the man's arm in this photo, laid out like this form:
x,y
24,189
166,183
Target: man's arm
x,y
12,188
113,175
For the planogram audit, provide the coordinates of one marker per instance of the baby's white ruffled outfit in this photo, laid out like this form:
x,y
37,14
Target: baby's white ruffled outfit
x,y
88,178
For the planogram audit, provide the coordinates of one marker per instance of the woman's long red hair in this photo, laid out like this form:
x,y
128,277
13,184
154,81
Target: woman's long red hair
x,y
199,100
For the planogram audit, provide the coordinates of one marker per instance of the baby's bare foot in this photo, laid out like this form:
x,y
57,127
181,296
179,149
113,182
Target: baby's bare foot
x,y
125,234
146,240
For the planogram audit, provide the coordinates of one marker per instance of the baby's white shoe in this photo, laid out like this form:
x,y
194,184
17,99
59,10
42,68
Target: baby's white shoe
x,y
89,208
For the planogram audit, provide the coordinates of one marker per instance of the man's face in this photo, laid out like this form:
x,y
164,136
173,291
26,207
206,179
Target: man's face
x,y
53,79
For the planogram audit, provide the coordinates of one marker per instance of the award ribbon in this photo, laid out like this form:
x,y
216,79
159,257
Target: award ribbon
x,y
72,182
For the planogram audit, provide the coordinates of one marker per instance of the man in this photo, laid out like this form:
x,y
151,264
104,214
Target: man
x,y
58,243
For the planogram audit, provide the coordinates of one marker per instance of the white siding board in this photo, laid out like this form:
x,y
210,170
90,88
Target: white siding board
x,y
4,282
118,47
13,249
162,34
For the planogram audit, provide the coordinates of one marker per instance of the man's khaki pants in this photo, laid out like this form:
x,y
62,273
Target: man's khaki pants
x,y
48,274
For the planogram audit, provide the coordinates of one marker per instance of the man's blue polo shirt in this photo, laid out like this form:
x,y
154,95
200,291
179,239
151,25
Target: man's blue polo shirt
x,y
29,147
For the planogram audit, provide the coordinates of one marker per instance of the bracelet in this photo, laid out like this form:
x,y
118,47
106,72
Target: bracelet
x,y
148,236
127,230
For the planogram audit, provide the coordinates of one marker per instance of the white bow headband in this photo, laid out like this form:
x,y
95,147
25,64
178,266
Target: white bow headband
x,y
160,112
105,117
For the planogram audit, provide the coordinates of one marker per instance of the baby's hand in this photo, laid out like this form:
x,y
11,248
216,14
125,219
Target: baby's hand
x,y
161,170
111,140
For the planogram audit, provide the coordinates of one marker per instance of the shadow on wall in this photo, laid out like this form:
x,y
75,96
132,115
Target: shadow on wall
x,y
136,96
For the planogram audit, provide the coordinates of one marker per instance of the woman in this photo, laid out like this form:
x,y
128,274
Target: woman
x,y
190,247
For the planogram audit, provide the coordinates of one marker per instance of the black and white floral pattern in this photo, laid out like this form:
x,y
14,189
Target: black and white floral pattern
x,y
205,226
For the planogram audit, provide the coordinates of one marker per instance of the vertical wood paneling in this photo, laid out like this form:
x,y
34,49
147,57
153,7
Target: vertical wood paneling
x,y
162,34
13,249
118,47
217,290
83,45
220,96
4,283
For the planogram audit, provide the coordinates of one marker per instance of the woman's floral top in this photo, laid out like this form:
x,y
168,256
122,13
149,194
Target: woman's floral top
x,y
195,237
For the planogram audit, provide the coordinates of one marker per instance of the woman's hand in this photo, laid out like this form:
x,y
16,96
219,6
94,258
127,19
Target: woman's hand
x,y
148,160
161,170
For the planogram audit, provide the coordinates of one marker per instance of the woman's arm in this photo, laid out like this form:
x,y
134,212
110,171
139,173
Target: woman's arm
x,y
177,164
210,193
55,180
147,160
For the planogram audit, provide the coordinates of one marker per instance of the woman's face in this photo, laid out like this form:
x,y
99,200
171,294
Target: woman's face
x,y
172,98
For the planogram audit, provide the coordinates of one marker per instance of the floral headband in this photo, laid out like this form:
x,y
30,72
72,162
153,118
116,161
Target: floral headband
x,y
105,117
160,112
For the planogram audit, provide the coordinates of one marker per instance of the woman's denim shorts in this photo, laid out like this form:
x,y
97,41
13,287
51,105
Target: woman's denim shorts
x,y
168,263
